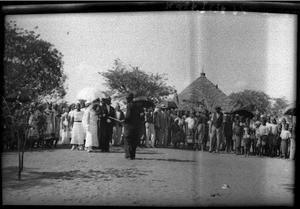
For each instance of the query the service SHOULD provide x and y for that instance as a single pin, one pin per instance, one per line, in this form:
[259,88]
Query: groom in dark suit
[109,123]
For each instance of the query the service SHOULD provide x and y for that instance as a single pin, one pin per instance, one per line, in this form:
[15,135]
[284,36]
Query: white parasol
[90,94]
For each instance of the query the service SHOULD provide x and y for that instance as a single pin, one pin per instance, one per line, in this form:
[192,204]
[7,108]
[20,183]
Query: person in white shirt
[285,137]
[117,132]
[77,128]
[84,118]
[264,131]
[191,122]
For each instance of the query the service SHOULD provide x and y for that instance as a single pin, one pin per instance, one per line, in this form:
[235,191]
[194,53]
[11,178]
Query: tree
[255,100]
[31,65]
[277,105]
[259,101]
[124,79]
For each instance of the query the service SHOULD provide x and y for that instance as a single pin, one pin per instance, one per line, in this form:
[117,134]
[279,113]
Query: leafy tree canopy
[124,79]
[258,101]
[31,64]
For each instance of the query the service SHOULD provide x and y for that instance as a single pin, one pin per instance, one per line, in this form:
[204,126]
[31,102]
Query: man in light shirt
[191,123]
[149,124]
[264,131]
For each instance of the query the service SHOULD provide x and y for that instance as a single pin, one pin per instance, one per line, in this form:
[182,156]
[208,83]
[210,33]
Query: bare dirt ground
[157,177]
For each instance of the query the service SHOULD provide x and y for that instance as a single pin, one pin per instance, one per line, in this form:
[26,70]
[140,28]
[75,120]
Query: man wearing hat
[102,116]
[109,124]
[215,129]
[132,121]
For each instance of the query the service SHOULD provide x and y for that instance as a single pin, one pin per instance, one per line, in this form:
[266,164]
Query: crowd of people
[98,125]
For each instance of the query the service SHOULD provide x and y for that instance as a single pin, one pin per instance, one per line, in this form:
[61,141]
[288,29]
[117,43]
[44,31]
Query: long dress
[285,136]
[56,124]
[33,130]
[77,129]
[91,129]
[84,121]
[49,132]
[65,134]
[70,114]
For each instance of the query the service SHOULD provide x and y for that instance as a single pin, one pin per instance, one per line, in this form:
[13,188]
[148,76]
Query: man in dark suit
[133,118]
[100,112]
[109,124]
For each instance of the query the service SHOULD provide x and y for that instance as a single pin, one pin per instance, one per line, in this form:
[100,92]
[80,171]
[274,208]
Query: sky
[236,50]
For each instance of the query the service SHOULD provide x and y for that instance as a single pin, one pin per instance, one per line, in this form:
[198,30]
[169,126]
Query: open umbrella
[22,96]
[244,112]
[290,109]
[143,100]
[90,94]
[168,104]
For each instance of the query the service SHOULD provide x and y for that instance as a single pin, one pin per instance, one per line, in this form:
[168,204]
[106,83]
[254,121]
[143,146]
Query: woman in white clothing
[84,118]
[77,128]
[65,133]
[91,129]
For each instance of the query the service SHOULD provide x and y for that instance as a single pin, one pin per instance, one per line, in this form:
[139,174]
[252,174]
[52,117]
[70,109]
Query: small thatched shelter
[202,94]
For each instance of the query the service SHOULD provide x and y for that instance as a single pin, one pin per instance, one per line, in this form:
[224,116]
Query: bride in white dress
[91,128]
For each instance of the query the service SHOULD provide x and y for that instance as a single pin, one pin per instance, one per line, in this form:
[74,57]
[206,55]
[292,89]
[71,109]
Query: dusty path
[158,177]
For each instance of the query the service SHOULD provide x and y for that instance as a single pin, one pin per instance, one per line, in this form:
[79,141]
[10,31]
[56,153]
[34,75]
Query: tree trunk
[20,158]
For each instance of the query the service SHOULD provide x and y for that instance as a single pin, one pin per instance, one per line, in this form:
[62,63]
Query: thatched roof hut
[203,94]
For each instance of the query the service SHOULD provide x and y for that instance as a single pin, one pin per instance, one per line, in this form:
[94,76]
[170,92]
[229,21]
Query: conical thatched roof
[201,94]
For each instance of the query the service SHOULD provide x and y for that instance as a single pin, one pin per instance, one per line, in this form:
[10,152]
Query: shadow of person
[168,160]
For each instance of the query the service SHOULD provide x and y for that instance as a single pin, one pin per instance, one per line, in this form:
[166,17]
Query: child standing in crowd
[191,122]
[285,136]
[247,141]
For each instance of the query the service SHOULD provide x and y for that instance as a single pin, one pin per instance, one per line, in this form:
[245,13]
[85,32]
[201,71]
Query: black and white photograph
[155,104]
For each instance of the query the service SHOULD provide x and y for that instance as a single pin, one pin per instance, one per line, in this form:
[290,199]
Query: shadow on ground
[168,160]
[33,178]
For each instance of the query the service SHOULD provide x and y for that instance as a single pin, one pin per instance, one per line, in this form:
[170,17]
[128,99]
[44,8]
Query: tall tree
[32,66]
[126,79]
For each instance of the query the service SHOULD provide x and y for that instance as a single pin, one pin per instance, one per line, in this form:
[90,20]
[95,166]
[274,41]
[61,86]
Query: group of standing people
[92,125]
[83,125]
[260,135]
[263,135]
[96,124]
